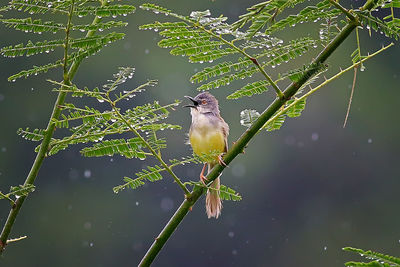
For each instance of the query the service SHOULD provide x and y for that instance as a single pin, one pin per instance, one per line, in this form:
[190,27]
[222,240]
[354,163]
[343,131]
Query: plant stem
[344,10]
[242,142]
[254,60]
[155,154]
[334,77]
[43,146]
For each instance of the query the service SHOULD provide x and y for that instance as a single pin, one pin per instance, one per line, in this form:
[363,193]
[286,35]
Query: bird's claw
[202,177]
[221,161]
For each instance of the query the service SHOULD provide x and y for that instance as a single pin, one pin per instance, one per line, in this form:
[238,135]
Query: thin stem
[67,31]
[344,10]
[317,88]
[8,198]
[241,143]
[43,148]
[254,60]
[155,154]
[274,85]
[351,96]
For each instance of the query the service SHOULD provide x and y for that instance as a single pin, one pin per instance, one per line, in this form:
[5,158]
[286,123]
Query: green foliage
[292,109]
[35,70]
[88,124]
[153,173]
[390,28]
[375,259]
[31,48]
[328,30]
[17,191]
[35,135]
[36,26]
[72,10]
[248,116]
[263,14]
[227,193]
[321,11]
[200,37]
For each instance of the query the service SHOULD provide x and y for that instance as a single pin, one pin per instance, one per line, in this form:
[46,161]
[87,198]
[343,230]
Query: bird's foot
[202,177]
[221,161]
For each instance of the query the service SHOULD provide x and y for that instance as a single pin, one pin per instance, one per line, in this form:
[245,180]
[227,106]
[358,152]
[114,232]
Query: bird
[208,133]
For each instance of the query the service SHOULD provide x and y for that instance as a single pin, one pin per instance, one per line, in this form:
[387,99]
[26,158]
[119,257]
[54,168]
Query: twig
[152,151]
[43,146]
[242,142]
[351,96]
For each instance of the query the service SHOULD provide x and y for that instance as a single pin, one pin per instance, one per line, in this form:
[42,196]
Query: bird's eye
[203,102]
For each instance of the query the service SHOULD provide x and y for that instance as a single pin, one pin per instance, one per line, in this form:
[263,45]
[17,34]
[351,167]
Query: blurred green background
[308,189]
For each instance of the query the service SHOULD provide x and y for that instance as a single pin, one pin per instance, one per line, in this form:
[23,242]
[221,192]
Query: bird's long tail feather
[213,201]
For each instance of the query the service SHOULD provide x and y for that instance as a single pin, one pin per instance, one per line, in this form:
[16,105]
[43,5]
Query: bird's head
[203,103]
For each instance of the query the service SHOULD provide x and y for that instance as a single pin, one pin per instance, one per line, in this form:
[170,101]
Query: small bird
[208,133]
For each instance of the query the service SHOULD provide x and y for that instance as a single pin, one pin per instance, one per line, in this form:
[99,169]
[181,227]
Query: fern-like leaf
[40,7]
[275,123]
[36,26]
[389,29]
[262,14]
[248,116]
[227,193]
[250,89]
[35,135]
[35,70]
[105,11]
[296,109]
[31,48]
[378,259]
[100,26]
[131,148]
[95,41]
[322,10]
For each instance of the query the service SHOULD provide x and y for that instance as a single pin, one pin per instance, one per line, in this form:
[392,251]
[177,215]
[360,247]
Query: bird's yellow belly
[207,142]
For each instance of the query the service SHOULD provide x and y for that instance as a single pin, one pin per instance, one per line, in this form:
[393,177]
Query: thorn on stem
[254,60]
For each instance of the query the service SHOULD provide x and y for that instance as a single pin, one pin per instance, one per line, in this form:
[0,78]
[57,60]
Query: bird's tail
[213,201]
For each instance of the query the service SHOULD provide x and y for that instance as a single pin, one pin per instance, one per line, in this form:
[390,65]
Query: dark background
[308,189]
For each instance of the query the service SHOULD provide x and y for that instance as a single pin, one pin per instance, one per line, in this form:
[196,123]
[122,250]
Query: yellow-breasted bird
[208,133]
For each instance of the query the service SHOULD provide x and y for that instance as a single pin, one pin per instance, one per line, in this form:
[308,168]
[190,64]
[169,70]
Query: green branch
[243,141]
[44,146]
[334,77]
[155,154]
[254,60]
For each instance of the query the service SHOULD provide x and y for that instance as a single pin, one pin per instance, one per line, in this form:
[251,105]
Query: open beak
[195,103]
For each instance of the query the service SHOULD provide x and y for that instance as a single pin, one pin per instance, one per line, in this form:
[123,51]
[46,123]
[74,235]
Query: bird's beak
[195,103]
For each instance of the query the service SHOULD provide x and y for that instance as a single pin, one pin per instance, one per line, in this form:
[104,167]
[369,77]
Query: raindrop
[87,225]
[238,170]
[231,234]
[369,141]
[137,203]
[167,204]
[325,248]
[100,100]
[3,149]
[146,51]
[87,173]
[314,136]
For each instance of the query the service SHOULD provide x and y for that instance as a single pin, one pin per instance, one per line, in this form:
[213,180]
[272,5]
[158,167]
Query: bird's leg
[202,177]
[221,161]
